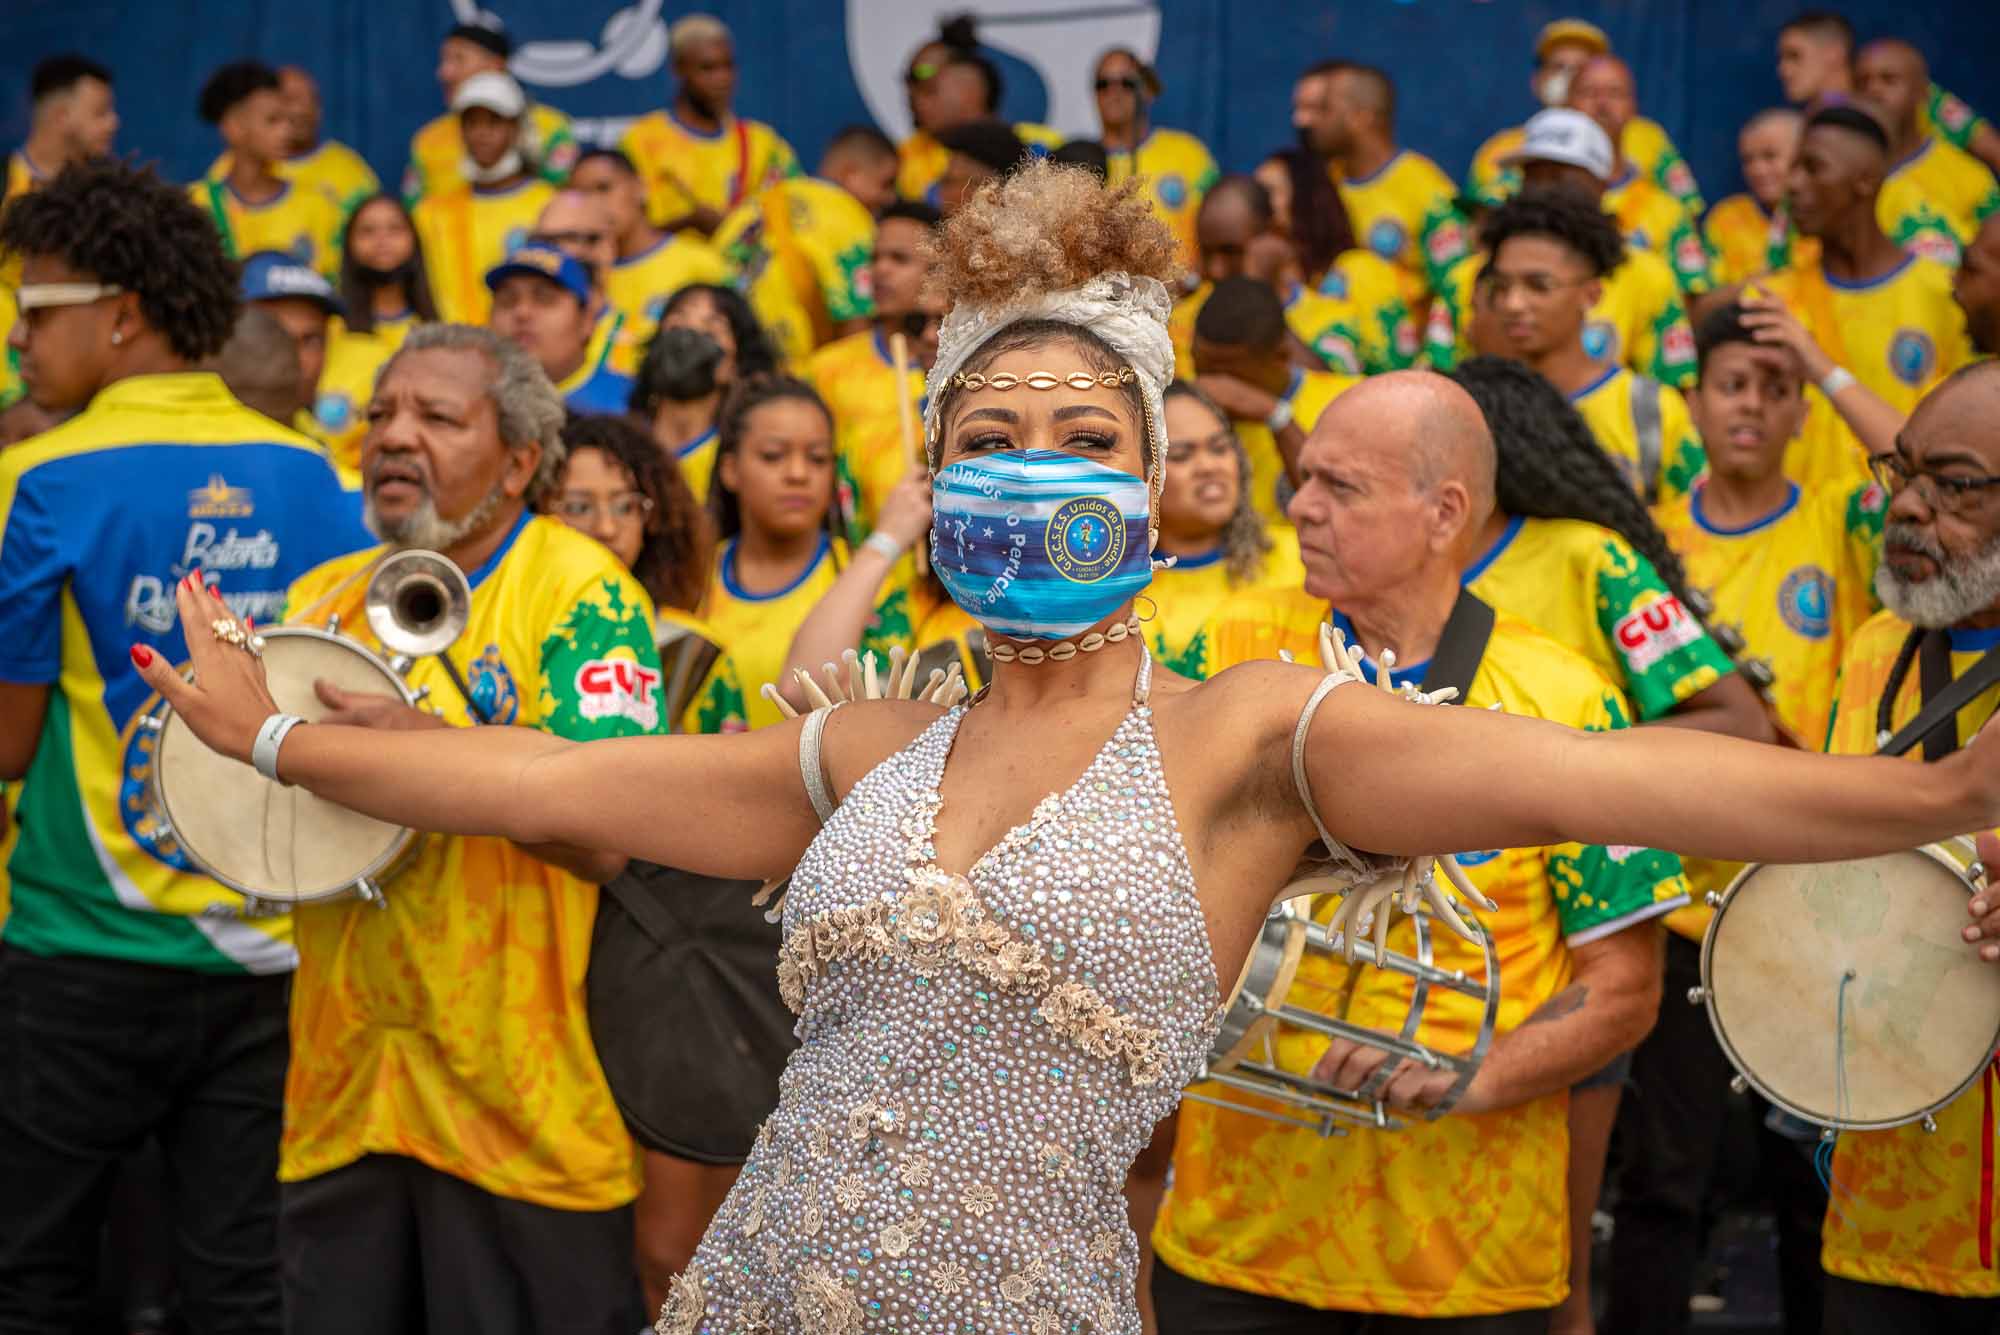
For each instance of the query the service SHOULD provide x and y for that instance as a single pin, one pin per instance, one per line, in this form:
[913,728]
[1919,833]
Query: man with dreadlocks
[129,984]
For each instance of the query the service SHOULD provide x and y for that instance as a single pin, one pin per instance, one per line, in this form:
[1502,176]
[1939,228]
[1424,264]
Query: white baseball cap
[496,92]
[1565,135]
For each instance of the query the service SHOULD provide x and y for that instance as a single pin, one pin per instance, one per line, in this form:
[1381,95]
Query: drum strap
[1461,646]
[1943,695]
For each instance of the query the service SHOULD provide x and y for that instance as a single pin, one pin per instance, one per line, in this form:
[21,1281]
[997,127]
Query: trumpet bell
[417,603]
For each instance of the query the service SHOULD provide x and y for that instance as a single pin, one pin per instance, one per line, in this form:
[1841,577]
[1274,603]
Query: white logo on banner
[1062,47]
[632,44]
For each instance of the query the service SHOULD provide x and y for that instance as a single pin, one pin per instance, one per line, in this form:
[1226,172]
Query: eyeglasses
[1941,491]
[580,507]
[1125,81]
[42,296]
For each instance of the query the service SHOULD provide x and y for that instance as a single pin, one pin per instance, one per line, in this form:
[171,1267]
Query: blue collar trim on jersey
[738,592]
[284,192]
[1204,561]
[722,127]
[1864,284]
[1914,155]
[645,254]
[492,563]
[1298,379]
[1702,521]
[1595,385]
[1622,179]
[1401,675]
[1376,175]
[1974,641]
[700,442]
[1507,535]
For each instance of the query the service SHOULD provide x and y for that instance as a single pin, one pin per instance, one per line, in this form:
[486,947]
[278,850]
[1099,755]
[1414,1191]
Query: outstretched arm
[837,620]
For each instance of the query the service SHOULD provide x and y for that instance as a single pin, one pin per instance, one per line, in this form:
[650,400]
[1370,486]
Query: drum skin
[260,837]
[1920,1016]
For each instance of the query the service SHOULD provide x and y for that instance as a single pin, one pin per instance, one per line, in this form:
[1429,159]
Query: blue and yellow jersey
[595,389]
[1464,1215]
[332,168]
[448,1024]
[1747,239]
[1178,169]
[1194,588]
[437,153]
[1367,324]
[1899,334]
[467,231]
[921,159]
[1388,208]
[1934,200]
[640,286]
[1585,588]
[800,252]
[90,561]
[1611,406]
[1797,585]
[299,221]
[1638,320]
[1643,143]
[1651,219]
[696,460]
[857,378]
[347,383]
[756,629]
[1309,394]
[684,168]
[1911,1208]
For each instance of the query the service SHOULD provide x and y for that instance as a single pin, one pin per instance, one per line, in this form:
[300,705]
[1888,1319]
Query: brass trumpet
[417,603]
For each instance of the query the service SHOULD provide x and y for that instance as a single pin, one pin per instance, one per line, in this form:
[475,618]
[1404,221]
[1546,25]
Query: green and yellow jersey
[1934,200]
[467,231]
[684,168]
[639,286]
[856,375]
[800,251]
[437,153]
[756,629]
[1194,588]
[300,221]
[332,168]
[1615,408]
[1178,170]
[1388,208]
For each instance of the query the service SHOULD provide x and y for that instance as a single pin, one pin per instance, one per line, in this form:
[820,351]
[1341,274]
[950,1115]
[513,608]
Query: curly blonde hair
[1048,228]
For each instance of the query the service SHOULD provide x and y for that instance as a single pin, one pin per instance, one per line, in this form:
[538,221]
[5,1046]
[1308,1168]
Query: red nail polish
[215,590]
[142,656]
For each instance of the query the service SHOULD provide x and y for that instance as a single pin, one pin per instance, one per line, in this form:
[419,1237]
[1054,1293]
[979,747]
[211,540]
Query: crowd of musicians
[656,399]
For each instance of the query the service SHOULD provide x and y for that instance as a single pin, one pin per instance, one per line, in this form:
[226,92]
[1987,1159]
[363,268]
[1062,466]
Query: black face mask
[681,365]
[399,276]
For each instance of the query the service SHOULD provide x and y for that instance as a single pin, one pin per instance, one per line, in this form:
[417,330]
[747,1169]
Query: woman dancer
[1002,988]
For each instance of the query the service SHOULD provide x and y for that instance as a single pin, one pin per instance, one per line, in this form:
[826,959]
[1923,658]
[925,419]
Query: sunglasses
[1125,81]
[921,74]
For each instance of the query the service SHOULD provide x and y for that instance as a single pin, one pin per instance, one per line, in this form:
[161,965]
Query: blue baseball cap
[272,275]
[543,261]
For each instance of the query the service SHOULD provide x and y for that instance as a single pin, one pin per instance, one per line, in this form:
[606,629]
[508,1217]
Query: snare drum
[1243,1059]
[1842,992]
[278,845]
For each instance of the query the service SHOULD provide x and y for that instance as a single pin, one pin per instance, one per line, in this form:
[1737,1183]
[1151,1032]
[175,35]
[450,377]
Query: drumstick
[899,357]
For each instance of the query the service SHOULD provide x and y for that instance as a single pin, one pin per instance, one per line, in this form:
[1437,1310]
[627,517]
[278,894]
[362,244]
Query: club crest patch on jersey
[1600,338]
[1172,190]
[1085,539]
[1912,356]
[334,411]
[492,687]
[1805,601]
[1386,238]
[1334,285]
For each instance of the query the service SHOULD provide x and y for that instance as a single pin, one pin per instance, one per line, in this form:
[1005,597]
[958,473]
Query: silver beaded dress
[982,1057]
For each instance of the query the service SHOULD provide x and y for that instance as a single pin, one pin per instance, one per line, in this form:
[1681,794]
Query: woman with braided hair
[1009,919]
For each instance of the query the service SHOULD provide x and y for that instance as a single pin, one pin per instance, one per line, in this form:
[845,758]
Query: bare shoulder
[861,735]
[1238,714]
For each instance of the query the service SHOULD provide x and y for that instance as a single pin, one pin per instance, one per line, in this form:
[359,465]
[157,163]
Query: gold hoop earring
[1153,608]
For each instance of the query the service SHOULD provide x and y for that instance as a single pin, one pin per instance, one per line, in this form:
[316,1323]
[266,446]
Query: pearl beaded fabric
[983,1056]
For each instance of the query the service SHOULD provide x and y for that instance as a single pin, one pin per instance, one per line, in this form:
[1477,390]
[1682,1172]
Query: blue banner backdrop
[812,66]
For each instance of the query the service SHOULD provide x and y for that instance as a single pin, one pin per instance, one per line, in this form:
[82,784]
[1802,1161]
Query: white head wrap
[1128,312]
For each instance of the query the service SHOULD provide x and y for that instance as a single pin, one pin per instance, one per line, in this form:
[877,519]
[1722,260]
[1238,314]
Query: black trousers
[1184,1306]
[1853,1308]
[95,1056]
[389,1246]
[1669,1128]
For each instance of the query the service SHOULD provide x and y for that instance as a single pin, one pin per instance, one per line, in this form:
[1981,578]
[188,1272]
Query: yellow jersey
[1192,589]
[1465,1215]
[299,220]
[1651,219]
[22,176]
[921,159]
[685,169]
[1643,143]
[857,377]
[332,168]
[347,383]
[1910,1208]
[1797,584]
[696,460]
[1951,118]
[1748,240]
[449,1025]
[800,252]
[1366,322]
[1178,169]
[756,629]
[639,287]
[437,153]
[467,231]
[1388,207]
[1638,320]
[1899,334]
[1587,589]
[1934,200]
[1309,393]
[1615,407]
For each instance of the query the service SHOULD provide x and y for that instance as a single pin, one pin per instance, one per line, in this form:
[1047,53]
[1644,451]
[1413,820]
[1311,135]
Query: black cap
[494,39]
[990,143]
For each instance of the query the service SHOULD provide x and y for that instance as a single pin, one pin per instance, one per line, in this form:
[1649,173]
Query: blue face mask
[1037,544]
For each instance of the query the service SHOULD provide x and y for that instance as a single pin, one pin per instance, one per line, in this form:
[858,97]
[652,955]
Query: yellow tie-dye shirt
[449,1024]
[1747,240]
[684,169]
[1194,588]
[467,231]
[1178,169]
[857,377]
[1466,1215]
[1909,1208]
[800,252]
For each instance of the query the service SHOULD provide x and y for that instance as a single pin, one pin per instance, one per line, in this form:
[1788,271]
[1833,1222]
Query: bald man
[1744,232]
[1271,1227]
[326,165]
[1649,217]
[1976,288]
[1930,180]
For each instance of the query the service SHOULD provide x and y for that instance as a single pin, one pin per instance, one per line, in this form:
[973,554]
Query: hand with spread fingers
[227,700]
[1348,1065]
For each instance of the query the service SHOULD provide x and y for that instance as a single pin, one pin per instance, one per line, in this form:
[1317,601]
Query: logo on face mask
[1085,539]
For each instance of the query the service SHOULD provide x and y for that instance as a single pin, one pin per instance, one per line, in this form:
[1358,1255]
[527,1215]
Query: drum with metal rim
[1842,991]
[1243,1059]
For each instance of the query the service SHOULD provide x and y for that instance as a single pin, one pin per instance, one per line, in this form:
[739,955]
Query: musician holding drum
[134,1001]
[1461,1218]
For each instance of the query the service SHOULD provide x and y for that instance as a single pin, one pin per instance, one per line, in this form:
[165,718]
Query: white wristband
[1837,379]
[1280,418]
[264,751]
[885,544]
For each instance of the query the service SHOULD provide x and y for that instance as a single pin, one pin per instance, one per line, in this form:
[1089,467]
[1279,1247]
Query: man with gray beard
[451,1150]
[1908,1236]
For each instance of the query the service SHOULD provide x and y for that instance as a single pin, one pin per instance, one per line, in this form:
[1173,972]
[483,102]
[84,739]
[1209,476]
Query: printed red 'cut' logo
[619,688]
[1647,634]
